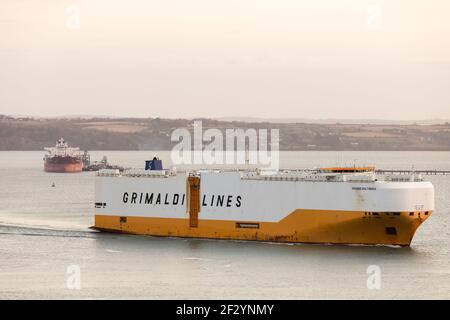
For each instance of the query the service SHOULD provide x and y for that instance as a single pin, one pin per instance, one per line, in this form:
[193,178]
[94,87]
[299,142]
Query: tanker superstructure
[63,158]
[329,205]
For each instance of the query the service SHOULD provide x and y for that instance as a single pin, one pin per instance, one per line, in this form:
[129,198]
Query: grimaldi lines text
[218,200]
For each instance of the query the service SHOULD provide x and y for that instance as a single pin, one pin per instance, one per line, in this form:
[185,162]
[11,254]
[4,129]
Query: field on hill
[154,134]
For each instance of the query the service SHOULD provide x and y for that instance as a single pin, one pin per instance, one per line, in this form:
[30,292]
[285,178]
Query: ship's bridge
[347,169]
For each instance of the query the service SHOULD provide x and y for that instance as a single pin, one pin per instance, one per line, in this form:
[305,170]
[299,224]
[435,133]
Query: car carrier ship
[338,205]
[62,158]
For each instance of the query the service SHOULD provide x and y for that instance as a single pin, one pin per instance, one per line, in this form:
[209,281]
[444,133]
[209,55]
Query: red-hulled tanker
[62,158]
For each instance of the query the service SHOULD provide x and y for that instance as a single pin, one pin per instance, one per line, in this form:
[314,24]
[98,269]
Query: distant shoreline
[281,150]
[153,134]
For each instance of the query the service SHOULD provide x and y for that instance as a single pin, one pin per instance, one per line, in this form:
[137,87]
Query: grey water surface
[44,232]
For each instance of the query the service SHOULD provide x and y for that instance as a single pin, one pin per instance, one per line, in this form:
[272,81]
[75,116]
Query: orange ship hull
[63,167]
[300,226]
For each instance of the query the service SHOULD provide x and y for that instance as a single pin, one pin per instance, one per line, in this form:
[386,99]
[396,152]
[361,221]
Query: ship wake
[11,229]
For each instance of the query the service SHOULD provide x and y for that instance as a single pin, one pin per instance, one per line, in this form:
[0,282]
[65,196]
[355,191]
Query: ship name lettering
[364,188]
[221,200]
[215,200]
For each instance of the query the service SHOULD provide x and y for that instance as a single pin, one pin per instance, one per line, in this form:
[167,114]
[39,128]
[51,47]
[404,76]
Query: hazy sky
[210,58]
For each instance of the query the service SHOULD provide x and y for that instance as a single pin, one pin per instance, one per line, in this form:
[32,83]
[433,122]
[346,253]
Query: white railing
[284,175]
